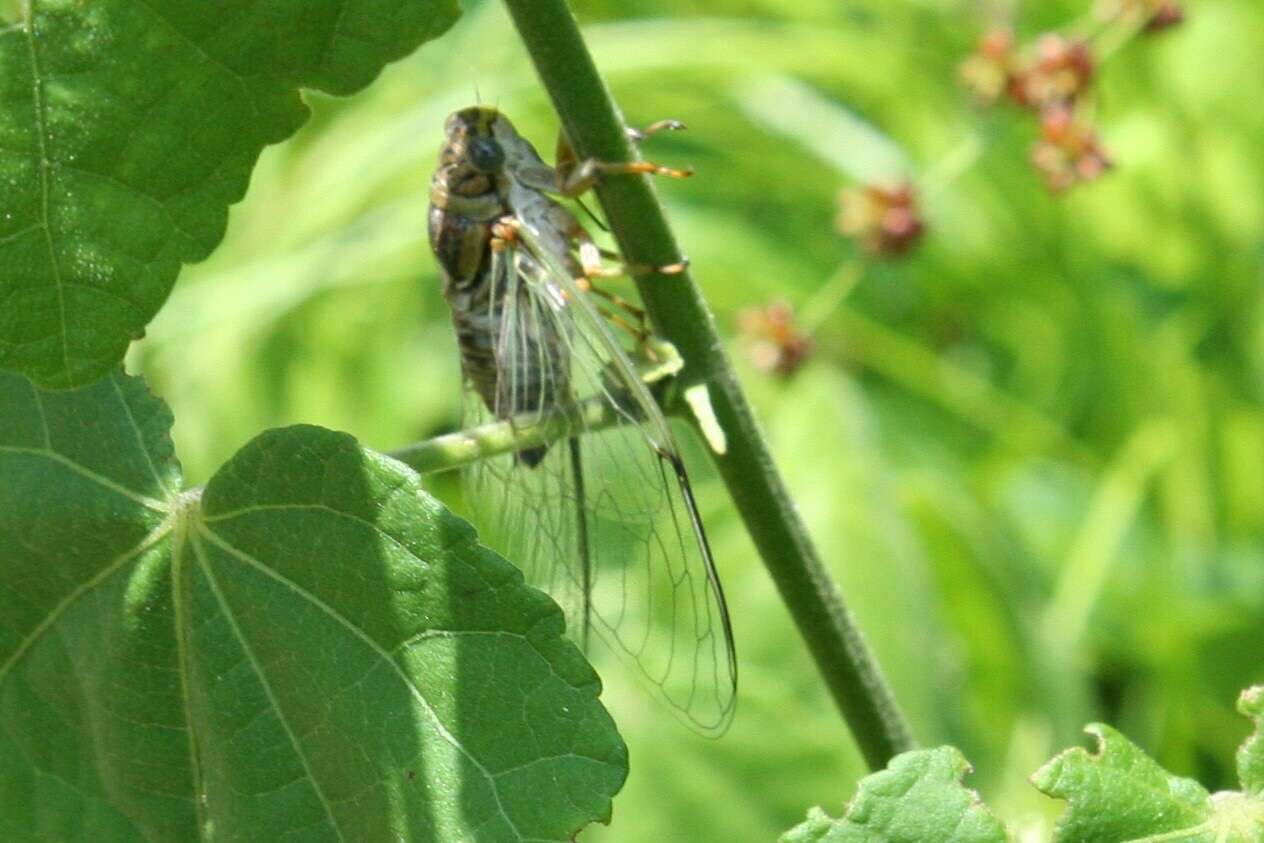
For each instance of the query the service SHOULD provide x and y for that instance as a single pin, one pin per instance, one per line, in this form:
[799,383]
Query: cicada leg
[504,233]
[635,270]
[576,177]
[637,326]
[591,255]
[590,261]
[654,128]
[586,174]
[566,159]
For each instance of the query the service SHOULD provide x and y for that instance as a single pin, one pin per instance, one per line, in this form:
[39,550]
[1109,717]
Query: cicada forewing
[603,519]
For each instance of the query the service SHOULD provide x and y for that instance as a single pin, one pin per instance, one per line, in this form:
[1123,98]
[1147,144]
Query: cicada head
[473,136]
[472,159]
[482,150]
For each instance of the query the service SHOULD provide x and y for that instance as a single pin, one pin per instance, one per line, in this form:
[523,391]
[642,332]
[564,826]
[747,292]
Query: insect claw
[649,167]
[665,126]
[654,128]
[636,167]
[683,173]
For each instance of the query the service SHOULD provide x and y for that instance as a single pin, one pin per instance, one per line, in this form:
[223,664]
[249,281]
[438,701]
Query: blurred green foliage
[1032,452]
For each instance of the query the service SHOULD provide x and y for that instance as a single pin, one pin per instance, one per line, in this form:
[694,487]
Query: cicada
[603,518]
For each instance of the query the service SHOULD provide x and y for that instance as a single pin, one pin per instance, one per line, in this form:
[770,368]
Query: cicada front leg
[576,177]
[581,179]
[654,128]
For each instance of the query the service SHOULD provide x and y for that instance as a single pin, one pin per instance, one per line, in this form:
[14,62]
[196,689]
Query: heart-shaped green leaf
[310,649]
[127,129]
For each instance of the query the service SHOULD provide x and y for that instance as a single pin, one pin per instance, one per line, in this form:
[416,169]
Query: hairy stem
[679,314]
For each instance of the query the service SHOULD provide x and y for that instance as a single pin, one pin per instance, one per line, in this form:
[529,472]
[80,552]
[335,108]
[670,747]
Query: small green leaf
[128,128]
[311,649]
[919,798]
[1251,753]
[1121,794]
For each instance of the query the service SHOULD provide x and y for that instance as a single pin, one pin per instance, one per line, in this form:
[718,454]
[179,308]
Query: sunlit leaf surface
[126,131]
[309,649]
[919,798]
[1120,794]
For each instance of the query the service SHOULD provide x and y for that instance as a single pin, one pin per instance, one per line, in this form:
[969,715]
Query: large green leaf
[310,649]
[127,129]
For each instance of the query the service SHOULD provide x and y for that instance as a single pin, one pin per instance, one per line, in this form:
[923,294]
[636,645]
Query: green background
[1032,453]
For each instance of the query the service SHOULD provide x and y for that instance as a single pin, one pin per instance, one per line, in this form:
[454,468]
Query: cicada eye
[486,155]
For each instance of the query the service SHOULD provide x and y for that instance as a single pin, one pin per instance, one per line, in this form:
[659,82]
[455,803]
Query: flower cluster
[1058,73]
[1053,71]
[1067,151]
[774,343]
[884,218]
[990,71]
[1051,78]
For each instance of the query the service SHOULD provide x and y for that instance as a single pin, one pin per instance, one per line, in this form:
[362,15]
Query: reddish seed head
[774,343]
[997,44]
[1059,72]
[987,71]
[1155,15]
[1168,14]
[1068,151]
[884,218]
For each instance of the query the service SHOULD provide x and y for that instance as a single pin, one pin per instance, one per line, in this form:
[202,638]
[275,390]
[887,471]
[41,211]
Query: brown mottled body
[513,355]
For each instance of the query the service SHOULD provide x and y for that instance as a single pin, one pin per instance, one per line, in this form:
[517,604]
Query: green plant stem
[454,450]
[679,314]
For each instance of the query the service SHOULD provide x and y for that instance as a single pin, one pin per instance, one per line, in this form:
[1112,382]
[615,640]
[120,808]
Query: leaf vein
[198,47]
[20,233]
[135,497]
[319,507]
[334,32]
[140,438]
[546,759]
[383,654]
[39,406]
[105,573]
[204,563]
[41,131]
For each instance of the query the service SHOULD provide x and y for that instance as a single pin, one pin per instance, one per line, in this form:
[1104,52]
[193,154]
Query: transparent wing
[605,520]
